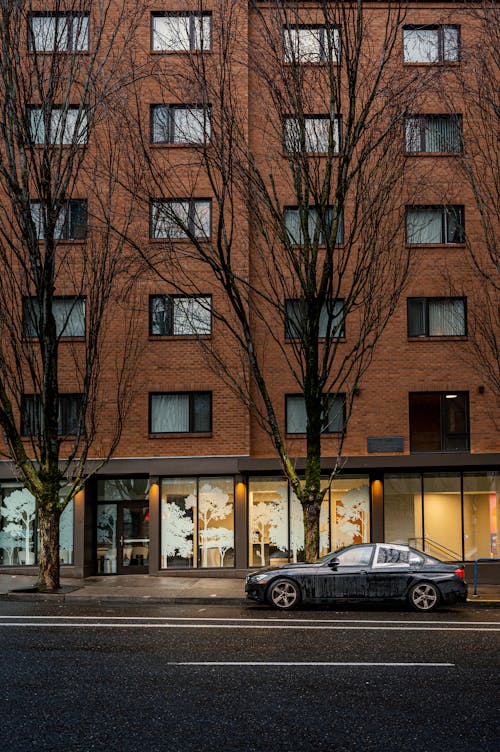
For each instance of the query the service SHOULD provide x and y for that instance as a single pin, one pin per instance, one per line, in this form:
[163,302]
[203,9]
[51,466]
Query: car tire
[284,594]
[424,596]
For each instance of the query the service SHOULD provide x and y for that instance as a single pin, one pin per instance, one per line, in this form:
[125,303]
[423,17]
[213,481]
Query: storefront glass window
[403,509]
[197,522]
[178,500]
[297,526]
[267,521]
[216,522]
[350,510]
[17,526]
[66,527]
[123,489]
[443,516]
[481,515]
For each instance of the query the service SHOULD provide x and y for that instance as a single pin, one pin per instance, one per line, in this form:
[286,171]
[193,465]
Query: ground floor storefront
[227,522]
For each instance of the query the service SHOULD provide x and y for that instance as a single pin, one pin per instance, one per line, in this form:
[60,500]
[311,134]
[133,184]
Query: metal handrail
[476,567]
[439,546]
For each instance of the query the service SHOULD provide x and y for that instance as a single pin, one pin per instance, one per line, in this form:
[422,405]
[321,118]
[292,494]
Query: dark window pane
[425,422]
[455,422]
[202,417]
[416,318]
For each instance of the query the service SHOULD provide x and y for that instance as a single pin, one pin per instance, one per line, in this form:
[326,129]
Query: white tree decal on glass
[8,545]
[352,517]
[269,523]
[218,537]
[19,511]
[213,505]
[177,534]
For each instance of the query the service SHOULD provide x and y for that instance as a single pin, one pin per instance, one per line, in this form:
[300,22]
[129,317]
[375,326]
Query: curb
[69,599]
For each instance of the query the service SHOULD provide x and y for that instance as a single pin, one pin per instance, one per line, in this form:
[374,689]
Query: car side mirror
[334,563]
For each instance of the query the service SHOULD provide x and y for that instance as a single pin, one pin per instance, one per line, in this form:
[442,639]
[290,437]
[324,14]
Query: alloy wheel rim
[284,595]
[424,597]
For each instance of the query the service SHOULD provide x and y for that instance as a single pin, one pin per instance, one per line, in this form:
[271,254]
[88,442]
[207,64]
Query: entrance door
[123,538]
[133,538]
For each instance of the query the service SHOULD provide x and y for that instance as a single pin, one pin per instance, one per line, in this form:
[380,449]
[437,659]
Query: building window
[179,218]
[430,225]
[436,317]
[197,522]
[71,223]
[311,44]
[181,412]
[70,407]
[439,422]
[331,321]
[63,126]
[173,124]
[318,225]
[311,134]
[178,315]
[69,315]
[181,32]
[49,32]
[433,134]
[431,44]
[333,414]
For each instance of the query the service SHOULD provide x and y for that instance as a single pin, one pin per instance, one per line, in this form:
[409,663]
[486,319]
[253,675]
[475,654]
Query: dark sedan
[372,572]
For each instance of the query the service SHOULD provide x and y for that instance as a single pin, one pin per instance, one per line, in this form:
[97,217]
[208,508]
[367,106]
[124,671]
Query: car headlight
[260,577]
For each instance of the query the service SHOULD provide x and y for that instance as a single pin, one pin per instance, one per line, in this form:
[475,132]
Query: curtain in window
[191,126]
[416,318]
[454,221]
[451,49]
[424,225]
[69,314]
[69,414]
[331,320]
[335,416]
[191,316]
[296,419]
[44,33]
[446,318]
[302,45]
[201,219]
[169,219]
[442,134]
[171,33]
[421,45]
[160,124]
[170,413]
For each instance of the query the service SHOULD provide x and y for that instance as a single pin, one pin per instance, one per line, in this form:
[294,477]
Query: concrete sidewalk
[136,589]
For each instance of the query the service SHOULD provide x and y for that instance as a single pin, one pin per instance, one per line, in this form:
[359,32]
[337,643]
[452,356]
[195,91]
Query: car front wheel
[424,596]
[284,594]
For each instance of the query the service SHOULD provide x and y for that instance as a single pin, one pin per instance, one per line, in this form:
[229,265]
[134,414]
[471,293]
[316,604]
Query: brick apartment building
[195,485]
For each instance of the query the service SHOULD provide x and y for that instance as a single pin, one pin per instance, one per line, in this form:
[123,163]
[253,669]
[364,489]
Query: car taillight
[460,572]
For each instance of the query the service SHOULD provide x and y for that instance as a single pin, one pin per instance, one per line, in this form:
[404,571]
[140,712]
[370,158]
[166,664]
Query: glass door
[133,538]
[123,538]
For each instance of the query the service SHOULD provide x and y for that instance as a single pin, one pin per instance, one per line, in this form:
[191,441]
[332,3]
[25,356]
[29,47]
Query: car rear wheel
[284,594]
[424,596]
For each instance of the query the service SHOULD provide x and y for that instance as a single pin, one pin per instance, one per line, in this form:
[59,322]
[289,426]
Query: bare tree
[62,223]
[476,86]
[306,252]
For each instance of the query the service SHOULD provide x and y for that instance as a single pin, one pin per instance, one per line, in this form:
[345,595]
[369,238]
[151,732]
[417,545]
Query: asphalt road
[182,678]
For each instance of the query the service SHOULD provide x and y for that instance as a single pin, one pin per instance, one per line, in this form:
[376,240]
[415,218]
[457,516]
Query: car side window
[392,556]
[359,556]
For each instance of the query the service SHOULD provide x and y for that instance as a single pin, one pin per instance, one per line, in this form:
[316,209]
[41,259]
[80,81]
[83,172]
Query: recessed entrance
[123,538]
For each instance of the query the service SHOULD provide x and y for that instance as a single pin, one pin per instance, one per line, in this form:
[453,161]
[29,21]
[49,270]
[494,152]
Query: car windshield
[323,559]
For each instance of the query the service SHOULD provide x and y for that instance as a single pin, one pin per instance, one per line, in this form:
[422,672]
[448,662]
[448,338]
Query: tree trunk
[48,528]
[311,530]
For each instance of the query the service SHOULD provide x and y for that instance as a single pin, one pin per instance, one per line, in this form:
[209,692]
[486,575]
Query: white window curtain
[451,43]
[171,33]
[296,414]
[170,218]
[170,413]
[316,132]
[191,125]
[421,45]
[424,225]
[44,33]
[69,314]
[192,316]
[81,32]
[446,318]
[201,219]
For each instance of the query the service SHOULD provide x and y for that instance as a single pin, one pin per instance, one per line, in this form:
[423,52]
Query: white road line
[243,620]
[296,627]
[314,663]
